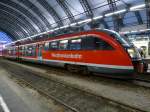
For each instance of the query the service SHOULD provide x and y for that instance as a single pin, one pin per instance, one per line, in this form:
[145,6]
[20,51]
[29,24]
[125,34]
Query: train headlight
[133,52]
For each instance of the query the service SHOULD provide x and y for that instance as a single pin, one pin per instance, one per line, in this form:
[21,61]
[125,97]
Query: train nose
[140,66]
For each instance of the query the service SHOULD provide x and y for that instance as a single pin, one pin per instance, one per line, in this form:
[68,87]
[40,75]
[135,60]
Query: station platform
[13,98]
[125,93]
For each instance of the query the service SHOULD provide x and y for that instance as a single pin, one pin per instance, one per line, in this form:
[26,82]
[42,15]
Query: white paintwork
[82,63]
[4,105]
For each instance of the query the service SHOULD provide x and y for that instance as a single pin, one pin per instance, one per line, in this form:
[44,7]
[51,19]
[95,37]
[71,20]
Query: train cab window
[63,45]
[102,45]
[88,43]
[53,45]
[75,44]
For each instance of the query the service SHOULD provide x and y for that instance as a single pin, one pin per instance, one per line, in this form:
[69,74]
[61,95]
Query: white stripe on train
[80,63]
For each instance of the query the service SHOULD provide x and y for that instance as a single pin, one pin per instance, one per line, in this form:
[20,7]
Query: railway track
[142,82]
[29,84]
[72,98]
[139,81]
[32,81]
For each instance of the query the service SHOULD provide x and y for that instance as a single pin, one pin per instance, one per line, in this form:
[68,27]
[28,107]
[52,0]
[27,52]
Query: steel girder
[147,2]
[104,23]
[86,7]
[138,16]
[10,30]
[34,8]
[5,14]
[113,7]
[4,38]
[23,18]
[18,27]
[25,12]
[51,11]
[66,10]
[12,37]
[14,28]
[88,12]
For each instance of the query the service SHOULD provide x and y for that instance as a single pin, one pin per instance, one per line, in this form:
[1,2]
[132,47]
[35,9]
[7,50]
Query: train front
[140,66]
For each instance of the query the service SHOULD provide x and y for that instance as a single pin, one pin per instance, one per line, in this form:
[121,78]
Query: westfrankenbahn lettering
[76,56]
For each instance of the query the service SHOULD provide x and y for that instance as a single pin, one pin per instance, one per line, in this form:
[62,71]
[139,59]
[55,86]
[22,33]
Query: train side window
[34,50]
[9,51]
[63,45]
[14,51]
[75,44]
[46,46]
[53,45]
[20,50]
[23,50]
[88,43]
[30,50]
[102,45]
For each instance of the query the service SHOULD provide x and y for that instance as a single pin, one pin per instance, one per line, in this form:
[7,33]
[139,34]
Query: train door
[40,52]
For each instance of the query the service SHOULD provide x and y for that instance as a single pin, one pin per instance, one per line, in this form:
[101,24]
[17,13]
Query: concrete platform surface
[134,96]
[14,98]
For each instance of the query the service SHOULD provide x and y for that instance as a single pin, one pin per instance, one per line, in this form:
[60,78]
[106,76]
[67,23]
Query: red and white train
[100,51]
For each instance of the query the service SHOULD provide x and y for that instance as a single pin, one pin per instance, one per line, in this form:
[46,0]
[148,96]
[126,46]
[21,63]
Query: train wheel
[73,68]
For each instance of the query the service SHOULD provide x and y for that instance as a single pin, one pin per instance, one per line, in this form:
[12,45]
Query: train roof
[58,36]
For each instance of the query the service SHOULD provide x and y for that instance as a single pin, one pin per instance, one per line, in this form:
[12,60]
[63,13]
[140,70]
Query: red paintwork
[110,57]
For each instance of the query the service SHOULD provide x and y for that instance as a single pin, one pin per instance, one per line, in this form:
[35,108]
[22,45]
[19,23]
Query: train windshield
[118,37]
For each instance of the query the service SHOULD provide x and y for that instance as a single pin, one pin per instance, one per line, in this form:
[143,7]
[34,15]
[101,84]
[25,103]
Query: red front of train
[100,51]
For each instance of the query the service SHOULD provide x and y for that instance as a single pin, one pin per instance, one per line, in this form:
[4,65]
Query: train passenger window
[30,50]
[14,51]
[102,45]
[63,45]
[46,46]
[33,50]
[53,45]
[20,50]
[23,51]
[75,44]
[9,51]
